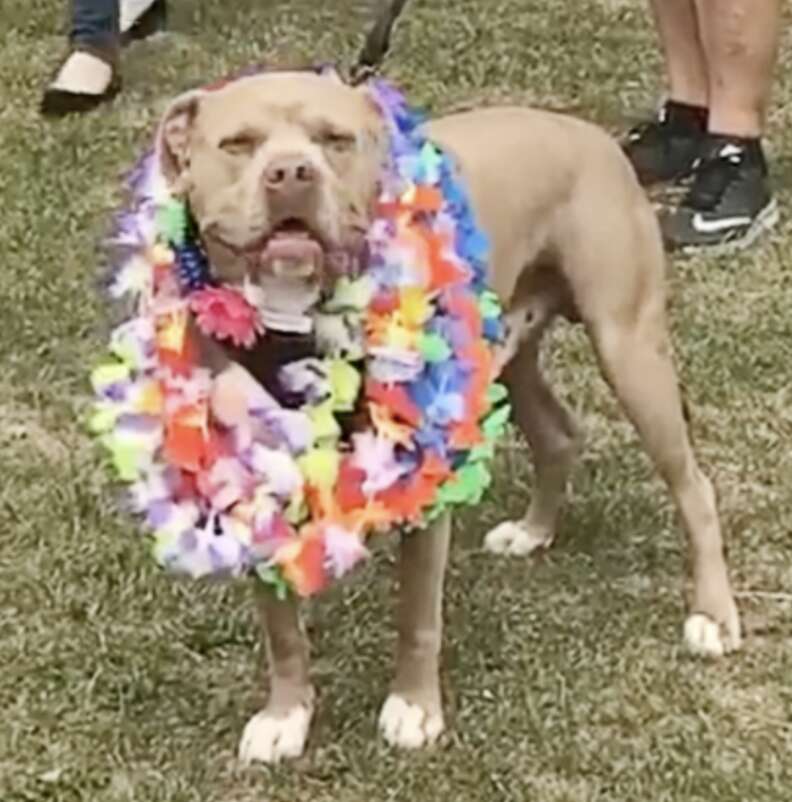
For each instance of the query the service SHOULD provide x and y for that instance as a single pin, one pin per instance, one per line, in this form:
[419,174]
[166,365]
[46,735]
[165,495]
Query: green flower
[489,305]
[271,575]
[434,348]
[173,221]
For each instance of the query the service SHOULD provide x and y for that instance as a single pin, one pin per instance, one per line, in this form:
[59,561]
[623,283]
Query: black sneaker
[729,203]
[664,149]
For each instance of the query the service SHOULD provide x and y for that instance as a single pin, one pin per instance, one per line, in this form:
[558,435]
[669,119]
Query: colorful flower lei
[287,497]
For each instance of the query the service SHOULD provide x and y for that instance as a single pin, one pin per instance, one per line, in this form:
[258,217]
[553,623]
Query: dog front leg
[412,715]
[280,730]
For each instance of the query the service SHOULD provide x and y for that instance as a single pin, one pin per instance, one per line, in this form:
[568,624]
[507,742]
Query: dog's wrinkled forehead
[303,98]
[318,105]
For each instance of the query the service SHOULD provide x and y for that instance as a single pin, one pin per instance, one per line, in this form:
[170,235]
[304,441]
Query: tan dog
[281,170]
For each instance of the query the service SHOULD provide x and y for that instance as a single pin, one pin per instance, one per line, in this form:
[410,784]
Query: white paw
[702,636]
[513,537]
[408,726]
[268,738]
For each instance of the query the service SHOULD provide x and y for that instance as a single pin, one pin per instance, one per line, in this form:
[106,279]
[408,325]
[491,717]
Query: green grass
[564,678]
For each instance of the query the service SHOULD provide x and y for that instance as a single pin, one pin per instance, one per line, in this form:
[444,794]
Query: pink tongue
[292,247]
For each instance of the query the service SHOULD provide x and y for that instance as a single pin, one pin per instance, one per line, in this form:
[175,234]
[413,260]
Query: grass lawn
[565,680]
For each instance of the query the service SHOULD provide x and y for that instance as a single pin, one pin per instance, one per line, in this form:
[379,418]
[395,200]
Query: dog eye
[239,145]
[338,140]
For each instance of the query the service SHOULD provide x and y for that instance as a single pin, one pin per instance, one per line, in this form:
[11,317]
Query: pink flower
[343,550]
[224,313]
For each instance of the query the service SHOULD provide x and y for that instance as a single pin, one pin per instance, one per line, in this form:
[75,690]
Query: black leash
[377,43]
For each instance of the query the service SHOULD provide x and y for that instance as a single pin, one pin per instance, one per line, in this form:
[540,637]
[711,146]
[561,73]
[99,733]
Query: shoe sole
[765,220]
[58,103]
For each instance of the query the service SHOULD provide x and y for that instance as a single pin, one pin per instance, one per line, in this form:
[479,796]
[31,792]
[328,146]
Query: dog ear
[375,130]
[173,137]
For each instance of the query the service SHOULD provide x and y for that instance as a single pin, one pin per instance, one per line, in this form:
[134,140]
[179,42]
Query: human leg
[730,202]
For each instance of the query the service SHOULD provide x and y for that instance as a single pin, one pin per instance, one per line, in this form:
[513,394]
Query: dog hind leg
[554,441]
[614,264]
[637,363]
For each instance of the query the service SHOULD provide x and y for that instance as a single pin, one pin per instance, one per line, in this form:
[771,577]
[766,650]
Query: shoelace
[713,173]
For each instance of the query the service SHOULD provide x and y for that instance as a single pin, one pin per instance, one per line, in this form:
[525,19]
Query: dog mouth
[292,249]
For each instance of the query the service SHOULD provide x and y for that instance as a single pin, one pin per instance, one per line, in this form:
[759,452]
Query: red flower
[305,569]
[187,437]
[349,488]
[396,399]
[409,498]
[225,314]
[385,302]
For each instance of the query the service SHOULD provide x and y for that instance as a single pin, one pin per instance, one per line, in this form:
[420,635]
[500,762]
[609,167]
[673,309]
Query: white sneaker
[83,82]
[83,73]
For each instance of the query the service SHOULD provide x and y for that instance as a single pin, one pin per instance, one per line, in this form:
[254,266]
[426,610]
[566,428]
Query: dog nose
[289,174]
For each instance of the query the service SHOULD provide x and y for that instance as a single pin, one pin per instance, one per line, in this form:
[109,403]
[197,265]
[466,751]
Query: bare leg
[740,39]
[686,66]
[281,728]
[554,442]
[412,715]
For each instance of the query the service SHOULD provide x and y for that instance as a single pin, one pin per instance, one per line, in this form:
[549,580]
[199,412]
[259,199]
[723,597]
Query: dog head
[280,169]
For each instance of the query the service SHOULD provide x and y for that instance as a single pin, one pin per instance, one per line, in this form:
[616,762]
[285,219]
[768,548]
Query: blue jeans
[95,25]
